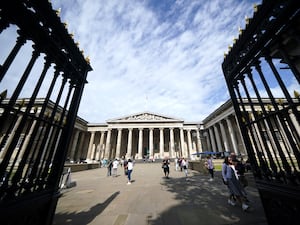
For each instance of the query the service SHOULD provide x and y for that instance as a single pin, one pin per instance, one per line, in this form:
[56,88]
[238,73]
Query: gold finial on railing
[296,94]
[255,7]
[269,107]
[65,24]
[58,11]
[22,102]
[87,59]
[234,40]
[240,30]
[247,19]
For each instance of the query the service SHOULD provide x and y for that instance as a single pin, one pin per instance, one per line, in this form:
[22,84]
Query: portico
[143,135]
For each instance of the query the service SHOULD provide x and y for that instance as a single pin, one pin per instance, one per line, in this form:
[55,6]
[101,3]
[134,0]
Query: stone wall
[83,166]
[198,166]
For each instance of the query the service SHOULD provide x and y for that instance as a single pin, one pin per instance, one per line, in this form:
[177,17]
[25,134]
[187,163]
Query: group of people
[112,168]
[181,163]
[232,173]
[233,176]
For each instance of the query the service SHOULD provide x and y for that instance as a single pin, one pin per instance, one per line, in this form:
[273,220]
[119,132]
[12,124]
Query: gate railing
[262,74]
[38,108]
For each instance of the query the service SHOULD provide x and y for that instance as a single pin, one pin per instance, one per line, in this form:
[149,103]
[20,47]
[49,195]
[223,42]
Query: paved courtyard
[152,200]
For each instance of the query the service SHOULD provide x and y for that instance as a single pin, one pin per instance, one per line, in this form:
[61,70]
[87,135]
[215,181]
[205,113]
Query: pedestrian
[165,166]
[125,167]
[184,165]
[109,168]
[115,167]
[235,189]
[210,167]
[122,162]
[240,169]
[176,164]
[179,164]
[129,170]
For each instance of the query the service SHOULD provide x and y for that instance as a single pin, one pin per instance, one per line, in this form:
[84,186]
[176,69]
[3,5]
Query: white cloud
[169,52]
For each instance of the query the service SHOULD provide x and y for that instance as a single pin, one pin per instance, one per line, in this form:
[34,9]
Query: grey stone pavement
[152,199]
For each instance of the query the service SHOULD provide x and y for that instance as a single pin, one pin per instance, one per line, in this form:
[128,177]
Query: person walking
[210,167]
[115,167]
[125,167]
[165,166]
[109,168]
[233,184]
[184,165]
[179,164]
[129,170]
[176,164]
[240,169]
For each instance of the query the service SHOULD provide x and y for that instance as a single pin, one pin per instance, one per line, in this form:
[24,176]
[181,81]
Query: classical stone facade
[149,135]
[138,136]
[156,136]
[221,131]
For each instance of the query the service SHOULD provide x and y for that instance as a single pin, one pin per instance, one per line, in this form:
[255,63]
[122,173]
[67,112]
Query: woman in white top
[129,169]
[184,164]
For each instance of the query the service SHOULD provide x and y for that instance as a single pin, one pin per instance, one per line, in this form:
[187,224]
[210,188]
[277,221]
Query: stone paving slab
[152,199]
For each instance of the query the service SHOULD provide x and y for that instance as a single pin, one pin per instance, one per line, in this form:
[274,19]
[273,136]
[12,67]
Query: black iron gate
[262,75]
[35,131]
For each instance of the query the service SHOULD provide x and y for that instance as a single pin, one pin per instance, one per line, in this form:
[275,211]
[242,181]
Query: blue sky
[162,56]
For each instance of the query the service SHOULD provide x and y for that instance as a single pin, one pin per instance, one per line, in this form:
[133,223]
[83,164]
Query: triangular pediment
[145,117]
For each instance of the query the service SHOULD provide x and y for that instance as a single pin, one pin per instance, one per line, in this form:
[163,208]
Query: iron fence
[38,108]
[262,74]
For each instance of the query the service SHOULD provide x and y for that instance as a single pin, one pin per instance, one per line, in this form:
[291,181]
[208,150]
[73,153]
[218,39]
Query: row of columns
[219,141]
[105,152]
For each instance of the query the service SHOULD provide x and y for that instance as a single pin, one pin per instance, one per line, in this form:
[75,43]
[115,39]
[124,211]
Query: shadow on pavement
[204,202]
[83,218]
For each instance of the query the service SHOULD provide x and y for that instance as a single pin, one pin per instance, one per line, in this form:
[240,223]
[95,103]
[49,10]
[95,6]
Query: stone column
[151,142]
[239,137]
[207,140]
[295,122]
[129,144]
[217,134]
[91,145]
[107,145]
[119,138]
[183,152]
[172,149]
[224,137]
[199,145]
[189,142]
[27,138]
[233,140]
[74,145]
[101,149]
[212,139]
[10,138]
[161,142]
[79,151]
[140,147]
